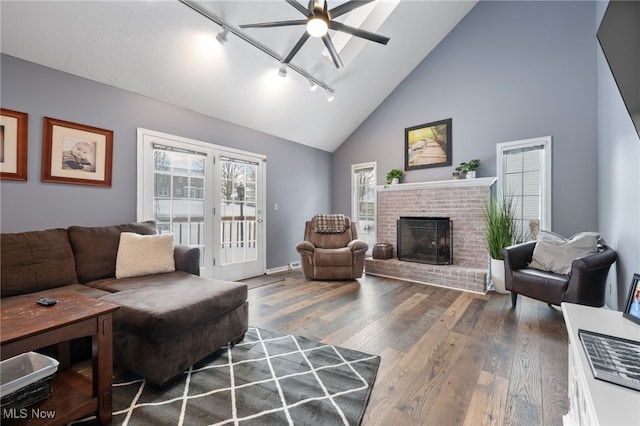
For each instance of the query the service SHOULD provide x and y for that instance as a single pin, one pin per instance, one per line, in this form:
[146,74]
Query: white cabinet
[591,401]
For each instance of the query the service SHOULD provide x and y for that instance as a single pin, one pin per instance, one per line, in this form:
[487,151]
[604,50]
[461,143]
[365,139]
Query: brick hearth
[460,200]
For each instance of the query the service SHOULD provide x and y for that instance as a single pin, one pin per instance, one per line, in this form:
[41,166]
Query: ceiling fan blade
[347,7]
[303,39]
[298,6]
[275,24]
[357,32]
[332,50]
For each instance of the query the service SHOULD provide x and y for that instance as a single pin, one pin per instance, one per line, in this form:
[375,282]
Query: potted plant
[394,175]
[469,169]
[500,232]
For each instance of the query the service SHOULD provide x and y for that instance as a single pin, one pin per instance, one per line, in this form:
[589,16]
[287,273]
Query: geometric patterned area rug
[267,379]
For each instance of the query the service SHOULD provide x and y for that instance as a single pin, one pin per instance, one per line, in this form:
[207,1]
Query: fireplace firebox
[425,240]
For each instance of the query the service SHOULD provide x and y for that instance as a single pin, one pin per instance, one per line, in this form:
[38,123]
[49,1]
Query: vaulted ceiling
[167,51]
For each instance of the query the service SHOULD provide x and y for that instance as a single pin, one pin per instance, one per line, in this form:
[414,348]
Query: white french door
[208,197]
[240,215]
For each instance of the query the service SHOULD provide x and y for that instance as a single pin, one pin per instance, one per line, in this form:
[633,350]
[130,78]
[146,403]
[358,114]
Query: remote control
[45,301]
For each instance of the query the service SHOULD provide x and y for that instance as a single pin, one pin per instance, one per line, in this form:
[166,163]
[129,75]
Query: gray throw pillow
[554,253]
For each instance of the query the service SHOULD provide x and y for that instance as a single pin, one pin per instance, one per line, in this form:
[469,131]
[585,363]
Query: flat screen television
[619,37]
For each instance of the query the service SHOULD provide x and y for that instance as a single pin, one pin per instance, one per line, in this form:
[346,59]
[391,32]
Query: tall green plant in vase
[500,232]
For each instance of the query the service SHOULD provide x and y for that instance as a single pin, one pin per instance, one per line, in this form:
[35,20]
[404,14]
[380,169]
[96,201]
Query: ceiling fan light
[317,27]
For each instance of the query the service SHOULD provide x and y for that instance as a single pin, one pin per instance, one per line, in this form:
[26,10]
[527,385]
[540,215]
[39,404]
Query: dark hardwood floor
[448,357]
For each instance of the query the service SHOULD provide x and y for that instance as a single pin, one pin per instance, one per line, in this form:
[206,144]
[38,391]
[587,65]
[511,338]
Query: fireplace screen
[425,240]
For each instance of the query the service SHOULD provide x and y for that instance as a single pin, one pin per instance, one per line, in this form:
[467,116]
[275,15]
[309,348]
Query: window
[363,196]
[524,175]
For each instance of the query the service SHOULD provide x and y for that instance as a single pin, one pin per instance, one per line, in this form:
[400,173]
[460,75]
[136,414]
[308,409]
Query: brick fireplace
[462,201]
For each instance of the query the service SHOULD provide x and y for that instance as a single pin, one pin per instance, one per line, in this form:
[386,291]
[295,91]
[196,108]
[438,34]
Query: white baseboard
[289,267]
[424,283]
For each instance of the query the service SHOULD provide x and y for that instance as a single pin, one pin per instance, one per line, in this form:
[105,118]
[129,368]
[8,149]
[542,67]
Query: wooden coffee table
[28,326]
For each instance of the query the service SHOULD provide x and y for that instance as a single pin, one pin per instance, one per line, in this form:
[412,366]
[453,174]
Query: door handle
[259,220]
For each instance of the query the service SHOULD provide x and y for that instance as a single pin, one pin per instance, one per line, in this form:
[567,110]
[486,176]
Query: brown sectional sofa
[166,321]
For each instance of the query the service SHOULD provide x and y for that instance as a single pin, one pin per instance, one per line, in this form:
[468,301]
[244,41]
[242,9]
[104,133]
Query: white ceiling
[167,51]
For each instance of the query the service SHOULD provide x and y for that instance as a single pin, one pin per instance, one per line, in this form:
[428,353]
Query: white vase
[471,174]
[497,276]
[395,181]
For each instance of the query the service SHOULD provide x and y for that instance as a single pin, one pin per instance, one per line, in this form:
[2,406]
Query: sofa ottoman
[176,316]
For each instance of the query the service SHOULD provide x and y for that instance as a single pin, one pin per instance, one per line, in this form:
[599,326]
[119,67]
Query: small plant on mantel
[394,174]
[471,166]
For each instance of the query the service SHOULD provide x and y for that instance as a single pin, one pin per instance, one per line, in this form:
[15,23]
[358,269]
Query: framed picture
[75,153]
[428,145]
[632,310]
[13,144]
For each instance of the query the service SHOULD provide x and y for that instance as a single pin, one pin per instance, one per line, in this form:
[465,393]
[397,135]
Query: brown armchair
[331,249]
[585,285]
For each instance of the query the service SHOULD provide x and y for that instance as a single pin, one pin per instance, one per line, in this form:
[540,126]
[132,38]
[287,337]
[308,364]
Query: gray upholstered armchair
[331,249]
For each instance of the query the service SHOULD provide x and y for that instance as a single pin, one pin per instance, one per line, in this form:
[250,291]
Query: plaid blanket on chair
[329,223]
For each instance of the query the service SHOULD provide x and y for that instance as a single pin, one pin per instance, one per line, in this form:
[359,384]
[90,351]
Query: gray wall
[508,71]
[298,177]
[516,70]
[618,179]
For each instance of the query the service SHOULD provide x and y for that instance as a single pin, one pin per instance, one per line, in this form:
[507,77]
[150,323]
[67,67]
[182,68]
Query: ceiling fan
[319,21]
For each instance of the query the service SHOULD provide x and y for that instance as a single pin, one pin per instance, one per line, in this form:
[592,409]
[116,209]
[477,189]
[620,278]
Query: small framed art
[428,145]
[13,144]
[75,153]
[632,310]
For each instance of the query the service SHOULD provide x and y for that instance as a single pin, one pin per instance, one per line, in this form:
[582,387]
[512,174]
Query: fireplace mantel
[458,183]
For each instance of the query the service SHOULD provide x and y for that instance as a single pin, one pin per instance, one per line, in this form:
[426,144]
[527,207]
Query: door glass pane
[238,210]
[179,196]
[365,204]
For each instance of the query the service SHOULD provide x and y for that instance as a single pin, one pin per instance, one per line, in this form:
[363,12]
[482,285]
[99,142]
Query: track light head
[330,95]
[222,36]
[312,85]
[282,72]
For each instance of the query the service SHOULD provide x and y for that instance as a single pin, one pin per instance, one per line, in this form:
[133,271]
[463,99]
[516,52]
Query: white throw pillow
[144,255]
[554,253]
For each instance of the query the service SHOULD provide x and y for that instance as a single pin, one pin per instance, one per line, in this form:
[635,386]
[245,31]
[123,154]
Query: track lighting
[330,95]
[282,72]
[222,36]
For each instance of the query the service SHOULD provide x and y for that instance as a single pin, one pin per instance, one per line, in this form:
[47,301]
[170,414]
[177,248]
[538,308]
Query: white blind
[522,174]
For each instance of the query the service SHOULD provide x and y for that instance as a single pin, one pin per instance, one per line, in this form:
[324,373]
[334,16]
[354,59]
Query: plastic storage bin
[26,379]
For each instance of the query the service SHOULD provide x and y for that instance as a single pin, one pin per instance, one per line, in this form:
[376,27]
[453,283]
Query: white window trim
[545,141]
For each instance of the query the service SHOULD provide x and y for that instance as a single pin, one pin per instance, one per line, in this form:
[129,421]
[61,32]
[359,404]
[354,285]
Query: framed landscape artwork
[13,144]
[428,145]
[75,153]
